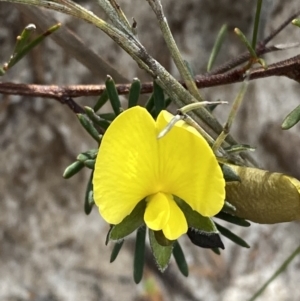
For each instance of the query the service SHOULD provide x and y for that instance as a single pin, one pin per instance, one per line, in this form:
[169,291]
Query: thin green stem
[256,23]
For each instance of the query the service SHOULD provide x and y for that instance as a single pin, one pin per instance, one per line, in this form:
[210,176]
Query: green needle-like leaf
[236,239]
[90,163]
[159,98]
[217,46]
[291,119]
[20,54]
[256,23]
[113,95]
[130,223]
[116,249]
[233,219]
[73,169]
[180,259]
[96,118]
[245,42]
[139,255]
[89,199]
[102,100]
[134,93]
[89,127]
[162,254]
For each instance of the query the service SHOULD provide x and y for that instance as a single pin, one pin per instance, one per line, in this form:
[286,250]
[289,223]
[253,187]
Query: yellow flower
[132,164]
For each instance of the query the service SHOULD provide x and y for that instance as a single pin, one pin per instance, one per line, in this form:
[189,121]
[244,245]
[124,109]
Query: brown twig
[289,68]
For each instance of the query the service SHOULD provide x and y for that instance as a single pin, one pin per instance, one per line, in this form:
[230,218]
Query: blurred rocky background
[49,249]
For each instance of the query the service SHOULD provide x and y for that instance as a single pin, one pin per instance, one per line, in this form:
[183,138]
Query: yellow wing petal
[188,167]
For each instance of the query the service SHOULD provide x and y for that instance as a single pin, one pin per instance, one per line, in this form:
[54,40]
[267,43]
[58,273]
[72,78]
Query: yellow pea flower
[132,165]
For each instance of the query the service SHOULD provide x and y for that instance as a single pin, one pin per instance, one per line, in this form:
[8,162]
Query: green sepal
[89,127]
[90,163]
[233,237]
[139,255]
[229,174]
[217,46]
[89,196]
[113,95]
[130,223]
[161,239]
[73,169]
[291,119]
[134,93]
[115,251]
[233,219]
[162,254]
[196,220]
[102,100]
[96,119]
[205,240]
[159,98]
[180,259]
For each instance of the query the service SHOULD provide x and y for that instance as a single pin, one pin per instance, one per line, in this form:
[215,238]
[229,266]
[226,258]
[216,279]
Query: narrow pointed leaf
[73,169]
[134,93]
[233,219]
[108,116]
[245,42]
[130,223]
[162,254]
[116,250]
[180,259]
[102,100]
[113,95]
[291,119]
[159,98]
[217,46]
[161,239]
[88,199]
[236,239]
[89,163]
[139,255]
[96,119]
[150,103]
[89,127]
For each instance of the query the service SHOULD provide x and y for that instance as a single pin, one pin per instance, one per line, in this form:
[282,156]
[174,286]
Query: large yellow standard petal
[188,167]
[126,165]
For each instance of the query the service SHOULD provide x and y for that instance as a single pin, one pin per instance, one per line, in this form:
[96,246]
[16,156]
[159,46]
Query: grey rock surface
[50,250]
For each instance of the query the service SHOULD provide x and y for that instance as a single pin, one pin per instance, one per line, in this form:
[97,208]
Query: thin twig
[289,68]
